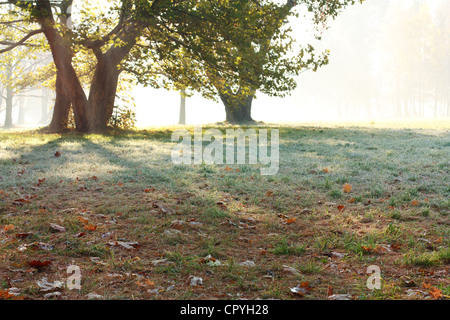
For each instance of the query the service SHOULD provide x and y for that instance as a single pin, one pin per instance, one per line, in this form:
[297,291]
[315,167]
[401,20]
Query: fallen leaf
[57,154]
[248,264]
[289,221]
[57,227]
[269,193]
[46,286]
[8,227]
[301,290]
[195,281]
[4,294]
[177,225]
[341,208]
[415,203]
[23,235]
[90,227]
[347,188]
[426,285]
[21,201]
[326,170]
[291,270]
[330,292]
[435,293]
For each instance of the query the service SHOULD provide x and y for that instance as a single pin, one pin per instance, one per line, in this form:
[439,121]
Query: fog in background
[390,59]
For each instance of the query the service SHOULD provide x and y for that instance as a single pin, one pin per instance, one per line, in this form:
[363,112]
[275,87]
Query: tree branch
[22,42]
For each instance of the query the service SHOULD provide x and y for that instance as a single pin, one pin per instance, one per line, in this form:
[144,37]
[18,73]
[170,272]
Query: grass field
[139,227]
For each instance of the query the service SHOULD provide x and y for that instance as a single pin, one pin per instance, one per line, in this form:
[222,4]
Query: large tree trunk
[103,90]
[61,109]
[9,108]
[238,108]
[62,57]
[103,94]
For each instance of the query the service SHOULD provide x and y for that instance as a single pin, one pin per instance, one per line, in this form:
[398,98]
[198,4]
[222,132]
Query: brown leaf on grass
[177,224]
[4,295]
[435,293]
[57,228]
[367,249]
[352,200]
[90,227]
[8,227]
[341,208]
[57,154]
[326,170]
[83,220]
[289,221]
[146,283]
[301,290]
[347,188]
[126,245]
[426,285]
[149,190]
[222,205]
[415,203]
[21,201]
[269,193]
[330,291]
[23,235]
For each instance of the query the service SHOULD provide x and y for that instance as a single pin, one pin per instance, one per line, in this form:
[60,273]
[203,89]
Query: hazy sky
[160,107]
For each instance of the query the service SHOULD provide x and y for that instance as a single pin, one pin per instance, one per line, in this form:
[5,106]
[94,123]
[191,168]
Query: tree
[18,68]
[263,54]
[110,46]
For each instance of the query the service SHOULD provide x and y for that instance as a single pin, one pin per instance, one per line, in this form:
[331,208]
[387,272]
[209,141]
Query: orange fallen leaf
[289,221]
[177,225]
[435,293]
[330,291]
[22,201]
[366,249]
[352,200]
[426,285]
[341,208]
[90,227]
[347,188]
[269,193]
[415,203]
[8,227]
[83,220]
[4,294]
[302,289]
[326,170]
